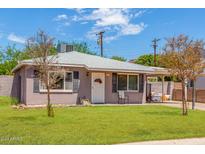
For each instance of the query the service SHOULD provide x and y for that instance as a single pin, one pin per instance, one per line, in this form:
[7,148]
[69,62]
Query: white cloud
[108,17]
[115,19]
[61,17]
[116,22]
[132,29]
[94,30]
[139,13]
[92,34]
[62,21]
[15,38]
[76,18]
[104,17]
[111,38]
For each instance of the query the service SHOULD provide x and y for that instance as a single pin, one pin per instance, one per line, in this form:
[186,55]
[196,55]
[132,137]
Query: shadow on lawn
[27,118]
[176,113]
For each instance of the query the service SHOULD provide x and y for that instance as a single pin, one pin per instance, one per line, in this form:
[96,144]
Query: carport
[159,92]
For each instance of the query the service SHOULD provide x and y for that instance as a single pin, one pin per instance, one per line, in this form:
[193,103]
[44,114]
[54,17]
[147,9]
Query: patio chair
[122,97]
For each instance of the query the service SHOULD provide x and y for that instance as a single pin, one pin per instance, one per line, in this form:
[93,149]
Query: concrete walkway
[189,141]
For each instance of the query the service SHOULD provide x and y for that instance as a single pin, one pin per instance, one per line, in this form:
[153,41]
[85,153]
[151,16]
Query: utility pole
[100,41]
[155,40]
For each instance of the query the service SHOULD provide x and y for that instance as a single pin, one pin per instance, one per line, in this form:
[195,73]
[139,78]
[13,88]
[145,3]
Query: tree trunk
[184,102]
[49,105]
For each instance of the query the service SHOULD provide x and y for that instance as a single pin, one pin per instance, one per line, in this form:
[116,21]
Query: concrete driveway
[188,141]
[198,106]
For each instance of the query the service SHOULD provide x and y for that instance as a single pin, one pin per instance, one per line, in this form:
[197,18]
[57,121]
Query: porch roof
[97,63]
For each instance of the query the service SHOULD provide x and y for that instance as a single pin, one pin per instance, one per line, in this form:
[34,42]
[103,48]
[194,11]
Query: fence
[200,95]
[6,83]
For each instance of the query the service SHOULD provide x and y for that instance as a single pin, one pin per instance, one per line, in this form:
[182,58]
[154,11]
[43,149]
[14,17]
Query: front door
[98,88]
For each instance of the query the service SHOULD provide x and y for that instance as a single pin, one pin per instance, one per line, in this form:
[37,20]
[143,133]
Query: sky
[128,32]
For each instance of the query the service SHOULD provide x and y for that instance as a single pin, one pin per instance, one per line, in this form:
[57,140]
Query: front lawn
[98,125]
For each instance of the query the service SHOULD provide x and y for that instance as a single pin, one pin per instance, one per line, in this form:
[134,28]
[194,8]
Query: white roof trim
[118,70]
[84,66]
[30,64]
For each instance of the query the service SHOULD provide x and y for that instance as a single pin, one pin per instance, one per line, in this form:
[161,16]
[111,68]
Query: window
[133,82]
[114,82]
[68,81]
[76,81]
[75,75]
[127,82]
[59,78]
[122,82]
[64,82]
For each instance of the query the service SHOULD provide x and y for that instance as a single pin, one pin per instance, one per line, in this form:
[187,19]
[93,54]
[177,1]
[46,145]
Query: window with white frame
[64,81]
[127,82]
[69,81]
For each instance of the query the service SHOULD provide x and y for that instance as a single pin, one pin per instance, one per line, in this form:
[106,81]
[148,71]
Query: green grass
[5,100]
[98,125]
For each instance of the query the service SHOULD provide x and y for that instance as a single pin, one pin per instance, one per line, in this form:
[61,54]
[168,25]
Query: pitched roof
[92,62]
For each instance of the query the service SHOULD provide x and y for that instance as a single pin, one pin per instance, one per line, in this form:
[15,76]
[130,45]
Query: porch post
[162,88]
[186,89]
[144,89]
[193,94]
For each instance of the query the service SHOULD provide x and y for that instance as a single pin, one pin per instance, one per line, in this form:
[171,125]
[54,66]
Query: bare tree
[40,47]
[184,58]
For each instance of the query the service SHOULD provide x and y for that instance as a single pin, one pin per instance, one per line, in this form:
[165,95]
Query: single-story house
[93,77]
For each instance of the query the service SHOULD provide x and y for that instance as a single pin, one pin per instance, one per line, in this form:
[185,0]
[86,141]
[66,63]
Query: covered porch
[127,87]
[157,88]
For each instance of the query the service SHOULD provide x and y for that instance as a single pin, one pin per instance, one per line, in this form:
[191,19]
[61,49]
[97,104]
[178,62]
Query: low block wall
[6,83]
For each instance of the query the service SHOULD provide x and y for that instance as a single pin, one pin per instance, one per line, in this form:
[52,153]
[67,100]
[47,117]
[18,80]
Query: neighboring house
[200,81]
[95,78]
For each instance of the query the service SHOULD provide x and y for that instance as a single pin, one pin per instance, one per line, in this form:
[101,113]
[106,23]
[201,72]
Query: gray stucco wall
[33,98]
[19,85]
[110,97]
